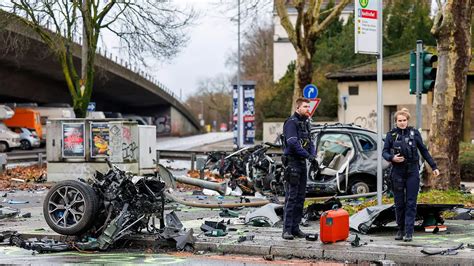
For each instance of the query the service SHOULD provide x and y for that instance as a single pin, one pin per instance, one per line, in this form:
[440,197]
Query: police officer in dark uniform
[401,149]
[298,147]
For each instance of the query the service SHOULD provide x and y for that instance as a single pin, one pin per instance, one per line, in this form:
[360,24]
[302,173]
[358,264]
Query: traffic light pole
[419,75]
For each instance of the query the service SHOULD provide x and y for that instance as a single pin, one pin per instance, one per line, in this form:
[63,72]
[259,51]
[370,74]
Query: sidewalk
[380,244]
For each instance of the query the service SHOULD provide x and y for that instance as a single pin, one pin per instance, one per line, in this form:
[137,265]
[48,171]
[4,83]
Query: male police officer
[298,147]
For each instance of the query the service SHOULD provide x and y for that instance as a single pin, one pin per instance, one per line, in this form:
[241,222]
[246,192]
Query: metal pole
[379,106]
[240,100]
[85,47]
[419,50]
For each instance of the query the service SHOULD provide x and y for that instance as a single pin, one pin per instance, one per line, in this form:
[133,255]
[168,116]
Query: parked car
[8,138]
[28,138]
[347,156]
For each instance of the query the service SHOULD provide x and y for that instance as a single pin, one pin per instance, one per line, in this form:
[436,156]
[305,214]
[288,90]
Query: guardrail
[40,157]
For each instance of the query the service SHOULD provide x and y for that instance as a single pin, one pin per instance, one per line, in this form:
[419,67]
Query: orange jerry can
[334,226]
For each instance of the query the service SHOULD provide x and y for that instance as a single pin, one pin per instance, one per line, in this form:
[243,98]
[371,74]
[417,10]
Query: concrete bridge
[29,72]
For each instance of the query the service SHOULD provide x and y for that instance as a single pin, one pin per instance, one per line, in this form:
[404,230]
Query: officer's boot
[299,234]
[399,235]
[287,236]
[408,238]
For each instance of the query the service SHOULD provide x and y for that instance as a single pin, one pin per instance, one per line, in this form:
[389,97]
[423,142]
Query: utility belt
[287,159]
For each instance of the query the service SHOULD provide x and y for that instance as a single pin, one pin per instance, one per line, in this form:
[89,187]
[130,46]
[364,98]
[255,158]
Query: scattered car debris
[464,214]
[248,237]
[381,215]
[26,215]
[7,212]
[211,225]
[267,213]
[356,242]
[173,221]
[216,233]
[435,228]
[18,202]
[228,213]
[111,206]
[438,251]
[314,211]
[312,237]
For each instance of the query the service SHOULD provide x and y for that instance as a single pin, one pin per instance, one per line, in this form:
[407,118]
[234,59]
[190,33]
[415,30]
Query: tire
[4,147]
[359,186]
[79,216]
[25,144]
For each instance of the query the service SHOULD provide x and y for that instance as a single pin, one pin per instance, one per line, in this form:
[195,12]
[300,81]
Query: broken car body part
[108,207]
[266,213]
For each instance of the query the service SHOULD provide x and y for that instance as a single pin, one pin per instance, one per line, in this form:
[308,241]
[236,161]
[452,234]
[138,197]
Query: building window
[354,90]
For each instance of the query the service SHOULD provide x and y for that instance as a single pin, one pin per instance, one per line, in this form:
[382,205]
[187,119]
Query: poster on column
[73,140]
[248,113]
[99,140]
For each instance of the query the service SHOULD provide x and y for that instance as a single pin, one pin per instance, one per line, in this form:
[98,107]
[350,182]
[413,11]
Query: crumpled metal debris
[211,225]
[442,251]
[313,212]
[126,204]
[464,214]
[382,215]
[7,212]
[267,213]
[378,215]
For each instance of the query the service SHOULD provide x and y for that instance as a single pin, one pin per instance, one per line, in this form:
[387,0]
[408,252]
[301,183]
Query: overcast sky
[212,39]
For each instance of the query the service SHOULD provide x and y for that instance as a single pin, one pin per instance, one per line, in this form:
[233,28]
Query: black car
[347,156]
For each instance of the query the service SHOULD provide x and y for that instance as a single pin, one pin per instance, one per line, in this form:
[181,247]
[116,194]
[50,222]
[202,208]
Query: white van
[8,138]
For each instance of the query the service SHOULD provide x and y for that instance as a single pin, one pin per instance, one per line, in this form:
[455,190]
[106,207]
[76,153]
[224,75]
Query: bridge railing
[120,61]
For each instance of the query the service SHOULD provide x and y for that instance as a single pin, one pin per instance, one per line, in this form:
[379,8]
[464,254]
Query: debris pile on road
[111,206]
[23,178]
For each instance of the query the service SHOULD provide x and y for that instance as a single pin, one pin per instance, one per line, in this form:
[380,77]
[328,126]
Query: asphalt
[378,246]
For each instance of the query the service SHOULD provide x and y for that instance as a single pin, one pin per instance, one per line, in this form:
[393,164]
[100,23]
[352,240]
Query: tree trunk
[452,31]
[303,77]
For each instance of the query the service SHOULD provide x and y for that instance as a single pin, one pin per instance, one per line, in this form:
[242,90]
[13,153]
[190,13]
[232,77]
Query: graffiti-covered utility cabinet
[77,148]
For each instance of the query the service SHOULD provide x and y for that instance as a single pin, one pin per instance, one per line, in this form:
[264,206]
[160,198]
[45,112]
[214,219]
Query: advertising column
[248,113]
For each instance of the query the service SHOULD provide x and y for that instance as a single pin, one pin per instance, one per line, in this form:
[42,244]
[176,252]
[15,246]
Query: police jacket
[407,142]
[297,135]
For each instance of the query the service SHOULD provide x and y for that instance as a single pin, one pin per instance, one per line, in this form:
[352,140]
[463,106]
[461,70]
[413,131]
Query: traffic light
[413,72]
[428,71]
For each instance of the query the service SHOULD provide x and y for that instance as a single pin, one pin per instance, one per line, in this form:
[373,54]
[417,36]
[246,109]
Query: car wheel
[25,144]
[70,207]
[3,147]
[359,186]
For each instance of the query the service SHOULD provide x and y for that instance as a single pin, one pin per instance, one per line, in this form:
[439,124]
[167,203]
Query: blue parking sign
[310,91]
[91,107]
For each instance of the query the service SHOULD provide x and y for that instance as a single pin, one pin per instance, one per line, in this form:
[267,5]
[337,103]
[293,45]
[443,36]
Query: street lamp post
[240,102]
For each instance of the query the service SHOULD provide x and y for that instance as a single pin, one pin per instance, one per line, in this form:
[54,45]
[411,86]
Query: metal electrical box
[77,148]
[147,149]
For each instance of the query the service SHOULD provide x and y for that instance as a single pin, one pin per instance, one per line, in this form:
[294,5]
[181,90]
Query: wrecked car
[107,207]
[347,156]
[251,169]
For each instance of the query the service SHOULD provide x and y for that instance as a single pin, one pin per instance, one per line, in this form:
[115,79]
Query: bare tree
[144,28]
[214,99]
[310,24]
[452,31]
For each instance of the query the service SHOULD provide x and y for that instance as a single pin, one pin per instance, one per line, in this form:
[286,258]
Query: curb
[335,253]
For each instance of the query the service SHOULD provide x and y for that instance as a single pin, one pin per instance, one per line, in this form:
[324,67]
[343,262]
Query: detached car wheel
[359,186]
[70,207]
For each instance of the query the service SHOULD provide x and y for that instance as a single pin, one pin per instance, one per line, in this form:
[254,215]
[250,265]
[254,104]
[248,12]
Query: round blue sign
[310,91]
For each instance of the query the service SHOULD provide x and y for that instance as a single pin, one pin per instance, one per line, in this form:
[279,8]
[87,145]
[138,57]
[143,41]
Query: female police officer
[401,148]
